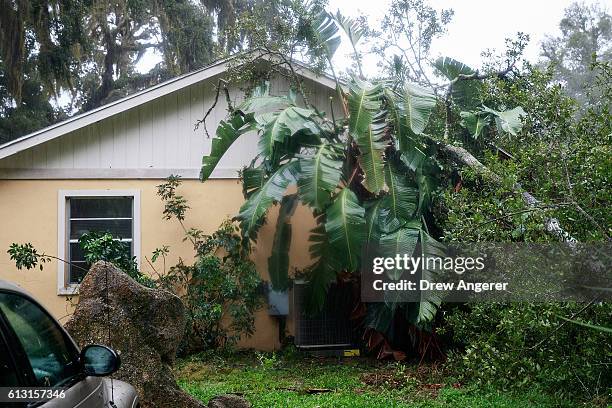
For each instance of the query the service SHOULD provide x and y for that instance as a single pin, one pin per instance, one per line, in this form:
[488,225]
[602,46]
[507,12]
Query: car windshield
[53,358]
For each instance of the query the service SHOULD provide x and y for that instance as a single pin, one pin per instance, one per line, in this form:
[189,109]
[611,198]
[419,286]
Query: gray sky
[476,26]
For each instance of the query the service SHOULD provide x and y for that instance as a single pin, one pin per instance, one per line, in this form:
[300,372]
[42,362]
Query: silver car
[41,366]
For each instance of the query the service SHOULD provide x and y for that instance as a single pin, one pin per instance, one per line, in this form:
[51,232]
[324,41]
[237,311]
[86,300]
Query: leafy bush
[522,345]
[98,246]
[220,290]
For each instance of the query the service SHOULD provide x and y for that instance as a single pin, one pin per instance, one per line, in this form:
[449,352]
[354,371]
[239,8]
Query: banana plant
[350,174]
[366,177]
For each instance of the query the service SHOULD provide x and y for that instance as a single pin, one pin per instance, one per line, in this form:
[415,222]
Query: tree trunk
[462,157]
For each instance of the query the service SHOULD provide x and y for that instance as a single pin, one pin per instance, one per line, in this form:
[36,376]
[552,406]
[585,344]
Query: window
[115,212]
[52,356]
[8,374]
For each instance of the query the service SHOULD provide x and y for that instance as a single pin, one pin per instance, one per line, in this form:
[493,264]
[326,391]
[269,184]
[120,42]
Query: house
[100,170]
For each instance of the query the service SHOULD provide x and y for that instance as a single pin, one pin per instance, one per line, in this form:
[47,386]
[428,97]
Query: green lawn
[268,380]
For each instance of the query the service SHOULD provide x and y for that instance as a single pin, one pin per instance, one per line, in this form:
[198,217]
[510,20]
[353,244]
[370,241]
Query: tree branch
[462,157]
[221,85]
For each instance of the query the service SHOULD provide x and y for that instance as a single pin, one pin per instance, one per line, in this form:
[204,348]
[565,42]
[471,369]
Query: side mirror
[99,361]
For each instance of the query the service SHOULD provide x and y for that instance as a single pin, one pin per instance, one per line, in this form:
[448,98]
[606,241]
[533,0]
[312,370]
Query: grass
[268,380]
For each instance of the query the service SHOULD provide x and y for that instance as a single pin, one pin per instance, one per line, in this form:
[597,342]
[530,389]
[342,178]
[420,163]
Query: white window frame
[63,287]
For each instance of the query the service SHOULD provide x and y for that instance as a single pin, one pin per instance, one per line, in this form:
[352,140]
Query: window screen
[114,215]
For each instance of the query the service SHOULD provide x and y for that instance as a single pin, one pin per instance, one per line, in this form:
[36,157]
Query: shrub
[98,246]
[221,290]
[519,345]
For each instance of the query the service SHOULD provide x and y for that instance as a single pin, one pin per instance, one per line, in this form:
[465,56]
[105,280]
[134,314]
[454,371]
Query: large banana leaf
[373,215]
[379,316]
[418,103]
[424,311]
[475,123]
[345,227]
[396,116]
[279,127]
[466,93]
[508,121]
[319,176]
[372,146]
[407,126]
[413,157]
[363,103]
[320,276]
[415,241]
[261,101]
[278,262]
[401,202]
[227,133]
[427,184]
[252,212]
[253,178]
[351,27]
[326,33]
[325,269]
[401,241]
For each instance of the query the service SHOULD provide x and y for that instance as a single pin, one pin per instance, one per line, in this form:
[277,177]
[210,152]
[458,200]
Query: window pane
[117,228]
[53,358]
[101,207]
[8,375]
[77,272]
[96,214]
[76,253]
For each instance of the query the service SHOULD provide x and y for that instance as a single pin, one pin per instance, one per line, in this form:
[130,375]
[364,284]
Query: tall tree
[586,38]
[92,48]
[404,41]
[45,33]
[123,31]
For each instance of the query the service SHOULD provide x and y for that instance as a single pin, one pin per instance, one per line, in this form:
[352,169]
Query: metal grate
[331,327]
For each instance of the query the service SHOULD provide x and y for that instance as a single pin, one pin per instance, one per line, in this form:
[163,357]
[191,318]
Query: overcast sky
[477,24]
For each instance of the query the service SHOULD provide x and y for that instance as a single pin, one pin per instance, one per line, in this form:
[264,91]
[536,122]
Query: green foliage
[278,262]
[227,133]
[345,228]
[513,346]
[403,41]
[586,38]
[215,288]
[252,212]
[321,175]
[26,256]
[96,246]
[91,50]
[465,93]
[563,160]
[221,290]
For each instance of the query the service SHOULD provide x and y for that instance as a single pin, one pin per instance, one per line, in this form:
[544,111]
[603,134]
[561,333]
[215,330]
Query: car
[42,366]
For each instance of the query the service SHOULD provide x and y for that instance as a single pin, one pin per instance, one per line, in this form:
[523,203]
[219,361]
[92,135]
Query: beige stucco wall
[29,214]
